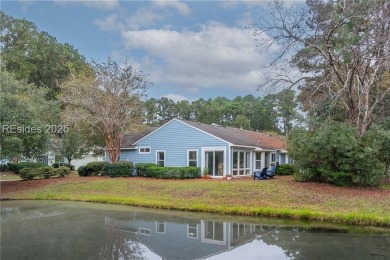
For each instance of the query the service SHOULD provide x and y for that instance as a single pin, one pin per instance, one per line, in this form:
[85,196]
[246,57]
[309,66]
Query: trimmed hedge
[92,169]
[16,167]
[83,171]
[57,165]
[46,171]
[285,169]
[62,171]
[118,169]
[172,172]
[29,173]
[142,168]
[4,167]
[95,168]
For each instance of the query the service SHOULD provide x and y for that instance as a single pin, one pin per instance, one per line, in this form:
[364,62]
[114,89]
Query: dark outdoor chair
[261,175]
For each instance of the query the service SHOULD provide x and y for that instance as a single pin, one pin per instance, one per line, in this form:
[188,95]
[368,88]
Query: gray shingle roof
[241,137]
[235,136]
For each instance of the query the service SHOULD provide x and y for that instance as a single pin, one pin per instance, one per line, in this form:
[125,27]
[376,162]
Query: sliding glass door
[214,162]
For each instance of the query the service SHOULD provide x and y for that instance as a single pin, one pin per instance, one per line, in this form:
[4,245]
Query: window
[160,227]
[144,150]
[192,230]
[144,231]
[160,158]
[273,157]
[258,161]
[241,163]
[192,158]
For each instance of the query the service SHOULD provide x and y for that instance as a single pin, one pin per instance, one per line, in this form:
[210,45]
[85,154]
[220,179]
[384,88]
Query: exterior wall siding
[175,138]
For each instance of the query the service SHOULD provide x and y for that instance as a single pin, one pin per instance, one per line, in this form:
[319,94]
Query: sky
[188,49]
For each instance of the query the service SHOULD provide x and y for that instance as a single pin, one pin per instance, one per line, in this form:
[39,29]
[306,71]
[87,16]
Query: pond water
[77,230]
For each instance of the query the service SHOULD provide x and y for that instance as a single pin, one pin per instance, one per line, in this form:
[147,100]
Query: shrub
[62,171]
[335,153]
[29,173]
[4,167]
[83,171]
[16,167]
[142,168]
[95,168]
[285,169]
[57,165]
[46,171]
[173,172]
[118,169]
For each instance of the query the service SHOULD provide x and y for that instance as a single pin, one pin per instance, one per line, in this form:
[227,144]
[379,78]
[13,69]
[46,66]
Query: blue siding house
[220,149]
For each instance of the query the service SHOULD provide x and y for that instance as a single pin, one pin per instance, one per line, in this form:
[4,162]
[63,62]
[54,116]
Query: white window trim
[212,241]
[144,147]
[247,168]
[165,156]
[197,231]
[214,149]
[188,157]
[157,224]
[144,231]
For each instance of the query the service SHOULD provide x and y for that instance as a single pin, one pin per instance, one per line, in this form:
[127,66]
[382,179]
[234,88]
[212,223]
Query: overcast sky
[190,49]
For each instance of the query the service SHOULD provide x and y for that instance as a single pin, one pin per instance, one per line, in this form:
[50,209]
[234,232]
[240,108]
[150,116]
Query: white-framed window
[192,158]
[144,149]
[241,163]
[273,157]
[144,231]
[160,158]
[160,227]
[213,232]
[257,160]
[192,230]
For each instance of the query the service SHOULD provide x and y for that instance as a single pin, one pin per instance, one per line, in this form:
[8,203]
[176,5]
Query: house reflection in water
[189,239]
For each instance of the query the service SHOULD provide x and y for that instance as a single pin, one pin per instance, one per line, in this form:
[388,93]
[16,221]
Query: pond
[80,230]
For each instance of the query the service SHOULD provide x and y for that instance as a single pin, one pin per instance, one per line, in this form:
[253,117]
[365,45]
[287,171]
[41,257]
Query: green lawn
[273,198]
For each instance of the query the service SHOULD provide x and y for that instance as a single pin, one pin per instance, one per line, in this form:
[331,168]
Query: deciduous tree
[342,50]
[108,100]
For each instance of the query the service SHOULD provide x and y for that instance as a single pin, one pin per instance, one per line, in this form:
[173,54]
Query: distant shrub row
[118,169]
[91,169]
[45,172]
[16,167]
[155,171]
[57,165]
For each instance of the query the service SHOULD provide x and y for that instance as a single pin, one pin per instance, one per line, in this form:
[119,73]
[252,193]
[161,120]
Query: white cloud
[175,97]
[215,56]
[107,24]
[100,4]
[181,7]
[142,18]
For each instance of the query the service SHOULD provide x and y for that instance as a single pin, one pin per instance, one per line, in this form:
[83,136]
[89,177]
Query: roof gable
[232,136]
[241,137]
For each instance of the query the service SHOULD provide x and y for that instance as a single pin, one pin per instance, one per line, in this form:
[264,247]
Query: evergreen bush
[118,169]
[4,167]
[62,171]
[142,168]
[16,167]
[285,169]
[29,173]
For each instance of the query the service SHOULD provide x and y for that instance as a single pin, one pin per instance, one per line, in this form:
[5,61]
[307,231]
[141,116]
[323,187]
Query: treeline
[273,112]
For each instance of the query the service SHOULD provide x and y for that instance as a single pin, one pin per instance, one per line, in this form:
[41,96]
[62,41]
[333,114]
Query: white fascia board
[245,147]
